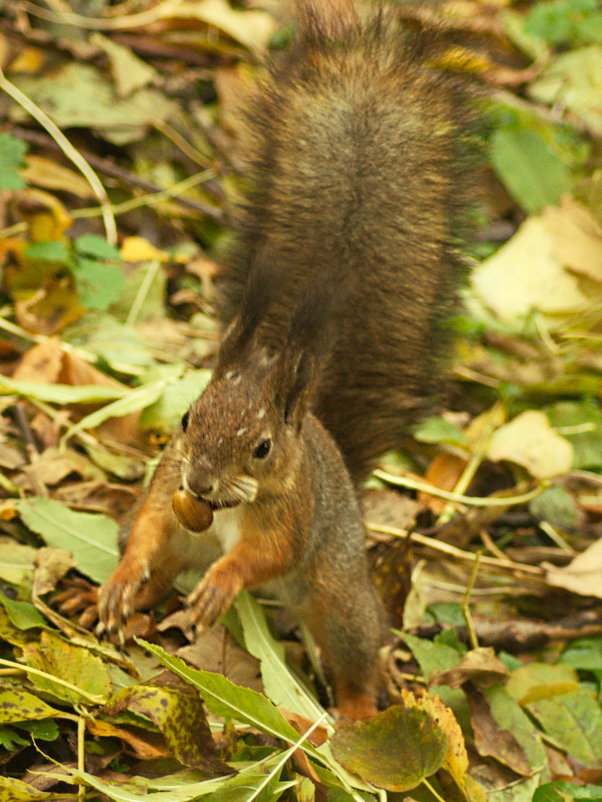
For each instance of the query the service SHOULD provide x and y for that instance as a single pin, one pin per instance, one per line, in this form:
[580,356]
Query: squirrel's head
[242,437]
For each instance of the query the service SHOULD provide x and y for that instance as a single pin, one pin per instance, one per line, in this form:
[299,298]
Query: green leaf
[91,537]
[555,505]
[50,251]
[436,429]
[12,151]
[531,171]
[224,698]
[44,730]
[10,740]
[570,22]
[16,562]
[396,750]
[564,792]
[93,245]
[164,414]
[60,393]
[22,614]
[98,284]
[279,683]
[574,720]
[583,653]
[581,424]
[431,656]
[133,401]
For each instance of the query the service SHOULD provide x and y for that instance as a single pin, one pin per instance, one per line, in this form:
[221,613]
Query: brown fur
[333,300]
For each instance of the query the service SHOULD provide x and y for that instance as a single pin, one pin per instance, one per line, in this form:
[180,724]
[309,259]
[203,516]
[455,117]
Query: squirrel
[333,305]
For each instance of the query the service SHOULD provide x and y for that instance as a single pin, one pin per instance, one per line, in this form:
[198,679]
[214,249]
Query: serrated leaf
[179,714]
[396,750]
[226,699]
[279,683]
[91,537]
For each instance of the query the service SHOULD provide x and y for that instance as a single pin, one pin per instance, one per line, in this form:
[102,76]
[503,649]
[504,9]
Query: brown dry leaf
[577,237]
[41,363]
[581,575]
[492,741]
[51,564]
[50,363]
[216,650]
[145,745]
[52,466]
[479,666]
[443,472]
[48,174]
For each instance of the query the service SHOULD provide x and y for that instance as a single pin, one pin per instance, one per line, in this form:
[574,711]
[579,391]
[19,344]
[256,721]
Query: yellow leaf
[138,249]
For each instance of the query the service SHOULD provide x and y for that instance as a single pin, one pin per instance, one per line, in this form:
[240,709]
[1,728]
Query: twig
[70,152]
[502,566]
[125,177]
[472,635]
[471,501]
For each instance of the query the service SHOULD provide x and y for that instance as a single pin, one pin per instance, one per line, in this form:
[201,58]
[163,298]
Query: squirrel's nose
[198,490]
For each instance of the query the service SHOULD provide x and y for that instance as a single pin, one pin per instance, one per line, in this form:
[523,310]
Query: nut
[191,512]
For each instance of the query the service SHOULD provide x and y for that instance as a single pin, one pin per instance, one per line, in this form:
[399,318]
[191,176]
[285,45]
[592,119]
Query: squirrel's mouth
[221,504]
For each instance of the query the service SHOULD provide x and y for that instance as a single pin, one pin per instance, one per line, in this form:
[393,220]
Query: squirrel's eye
[263,449]
[185,418]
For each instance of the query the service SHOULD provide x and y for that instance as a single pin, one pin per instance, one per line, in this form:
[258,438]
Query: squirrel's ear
[295,379]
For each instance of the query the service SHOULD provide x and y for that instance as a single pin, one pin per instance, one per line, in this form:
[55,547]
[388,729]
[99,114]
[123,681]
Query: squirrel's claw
[116,601]
[212,597]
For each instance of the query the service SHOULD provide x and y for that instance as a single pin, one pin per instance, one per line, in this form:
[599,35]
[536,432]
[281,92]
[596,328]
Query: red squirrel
[332,304]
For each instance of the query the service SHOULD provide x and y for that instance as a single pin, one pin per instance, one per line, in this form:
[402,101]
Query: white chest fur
[226,526]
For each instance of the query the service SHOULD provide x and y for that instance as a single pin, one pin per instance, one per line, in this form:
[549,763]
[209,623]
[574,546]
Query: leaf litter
[102,350]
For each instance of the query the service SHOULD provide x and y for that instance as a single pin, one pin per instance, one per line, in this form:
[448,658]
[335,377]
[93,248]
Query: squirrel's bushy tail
[359,185]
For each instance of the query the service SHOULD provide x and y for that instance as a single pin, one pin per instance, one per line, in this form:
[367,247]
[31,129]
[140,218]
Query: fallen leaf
[479,666]
[581,575]
[396,749]
[530,441]
[526,274]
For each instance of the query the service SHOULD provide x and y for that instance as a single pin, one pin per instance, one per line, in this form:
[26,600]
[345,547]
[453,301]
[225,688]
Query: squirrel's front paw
[116,601]
[213,595]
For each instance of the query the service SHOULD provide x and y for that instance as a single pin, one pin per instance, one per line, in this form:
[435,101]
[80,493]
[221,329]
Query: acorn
[191,512]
